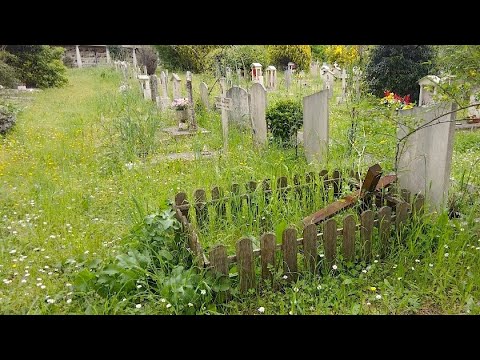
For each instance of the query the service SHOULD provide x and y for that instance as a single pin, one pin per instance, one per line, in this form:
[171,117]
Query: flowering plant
[180,103]
[400,103]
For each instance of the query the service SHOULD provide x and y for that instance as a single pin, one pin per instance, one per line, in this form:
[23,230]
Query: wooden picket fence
[393,213]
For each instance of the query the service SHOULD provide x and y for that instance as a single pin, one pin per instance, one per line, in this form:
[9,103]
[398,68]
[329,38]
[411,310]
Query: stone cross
[188,83]
[224,104]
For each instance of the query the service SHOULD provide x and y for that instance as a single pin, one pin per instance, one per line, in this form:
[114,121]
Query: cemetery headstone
[315,126]
[191,108]
[258,104]
[240,112]
[154,89]
[145,86]
[204,95]
[164,99]
[288,79]
[224,104]
[176,86]
[425,156]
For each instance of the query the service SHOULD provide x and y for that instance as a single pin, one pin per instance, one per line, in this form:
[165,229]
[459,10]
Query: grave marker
[315,126]
[224,104]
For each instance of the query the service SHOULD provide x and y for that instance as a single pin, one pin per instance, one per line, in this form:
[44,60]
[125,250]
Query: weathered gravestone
[258,104]
[164,99]
[288,78]
[204,95]
[145,86]
[224,104]
[240,113]
[315,126]
[176,86]
[425,156]
[154,88]
[191,108]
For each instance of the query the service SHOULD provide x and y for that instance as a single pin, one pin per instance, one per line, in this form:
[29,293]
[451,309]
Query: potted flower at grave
[180,106]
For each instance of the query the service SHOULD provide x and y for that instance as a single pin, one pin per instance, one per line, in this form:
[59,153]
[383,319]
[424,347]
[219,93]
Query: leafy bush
[38,65]
[148,57]
[281,55]
[318,52]
[397,68]
[236,56]
[341,54]
[184,57]
[156,262]
[7,117]
[8,75]
[284,119]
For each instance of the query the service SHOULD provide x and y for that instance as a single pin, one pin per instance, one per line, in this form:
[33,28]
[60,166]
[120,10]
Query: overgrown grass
[83,159]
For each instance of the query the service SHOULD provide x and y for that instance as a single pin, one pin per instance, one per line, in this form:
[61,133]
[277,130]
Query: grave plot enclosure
[313,247]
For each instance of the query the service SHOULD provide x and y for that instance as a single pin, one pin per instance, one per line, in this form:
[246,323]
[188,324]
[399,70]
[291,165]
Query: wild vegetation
[87,227]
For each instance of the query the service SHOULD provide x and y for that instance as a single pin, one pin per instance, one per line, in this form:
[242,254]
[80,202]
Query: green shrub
[8,75]
[7,117]
[281,55]
[318,52]
[236,56]
[38,65]
[184,57]
[397,68]
[284,119]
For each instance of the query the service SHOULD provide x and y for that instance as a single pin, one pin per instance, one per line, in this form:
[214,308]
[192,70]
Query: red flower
[406,99]
[386,93]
